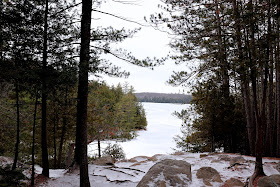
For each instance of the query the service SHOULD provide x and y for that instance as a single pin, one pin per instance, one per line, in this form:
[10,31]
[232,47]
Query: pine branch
[113,54]
[71,6]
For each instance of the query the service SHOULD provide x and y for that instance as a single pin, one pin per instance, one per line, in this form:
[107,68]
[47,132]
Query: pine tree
[45,159]
[81,126]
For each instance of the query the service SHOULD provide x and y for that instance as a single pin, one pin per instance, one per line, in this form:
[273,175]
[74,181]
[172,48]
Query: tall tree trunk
[244,81]
[64,124]
[18,128]
[45,161]
[261,122]
[54,139]
[222,58]
[33,140]
[251,127]
[270,116]
[269,127]
[99,147]
[259,135]
[278,81]
[278,103]
[213,133]
[81,126]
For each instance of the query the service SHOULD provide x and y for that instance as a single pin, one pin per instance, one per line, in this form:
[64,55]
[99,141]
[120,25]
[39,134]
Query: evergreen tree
[235,46]
[21,52]
[45,159]
[81,126]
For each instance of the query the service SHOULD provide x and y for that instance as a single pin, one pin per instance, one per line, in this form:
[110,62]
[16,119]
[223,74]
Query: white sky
[147,42]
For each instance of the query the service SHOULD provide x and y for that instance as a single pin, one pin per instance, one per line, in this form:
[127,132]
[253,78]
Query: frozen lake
[158,138]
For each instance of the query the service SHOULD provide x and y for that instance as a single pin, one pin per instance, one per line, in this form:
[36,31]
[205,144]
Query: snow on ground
[158,138]
[130,172]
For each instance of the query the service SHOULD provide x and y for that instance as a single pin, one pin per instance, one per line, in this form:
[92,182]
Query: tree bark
[64,124]
[270,121]
[277,56]
[45,161]
[278,105]
[33,141]
[99,147]
[54,139]
[251,127]
[259,122]
[18,128]
[81,126]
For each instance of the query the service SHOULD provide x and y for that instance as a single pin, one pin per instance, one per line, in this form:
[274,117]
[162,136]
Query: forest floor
[129,172]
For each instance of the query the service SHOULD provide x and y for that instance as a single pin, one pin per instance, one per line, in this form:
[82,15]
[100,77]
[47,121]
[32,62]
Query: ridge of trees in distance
[163,97]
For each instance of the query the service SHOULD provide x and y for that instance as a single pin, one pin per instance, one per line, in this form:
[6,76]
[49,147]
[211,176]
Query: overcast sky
[148,42]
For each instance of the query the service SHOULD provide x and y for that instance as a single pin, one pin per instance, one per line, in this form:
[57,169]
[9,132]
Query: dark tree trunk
[244,82]
[18,128]
[81,126]
[277,56]
[33,141]
[45,161]
[278,103]
[270,118]
[259,122]
[259,134]
[270,121]
[222,58]
[64,124]
[99,147]
[54,139]
[251,127]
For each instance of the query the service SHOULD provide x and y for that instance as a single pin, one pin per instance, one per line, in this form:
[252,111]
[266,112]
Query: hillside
[163,97]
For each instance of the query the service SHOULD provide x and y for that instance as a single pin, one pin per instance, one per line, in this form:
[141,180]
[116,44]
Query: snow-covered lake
[158,138]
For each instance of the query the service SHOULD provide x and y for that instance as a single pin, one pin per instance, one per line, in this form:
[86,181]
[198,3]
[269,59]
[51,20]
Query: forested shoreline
[113,110]
[113,113]
[163,98]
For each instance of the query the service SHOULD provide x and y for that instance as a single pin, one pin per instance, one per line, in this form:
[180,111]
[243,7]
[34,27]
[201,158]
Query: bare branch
[119,17]
[127,2]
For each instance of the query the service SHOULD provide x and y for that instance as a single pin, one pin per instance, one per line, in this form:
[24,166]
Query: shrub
[115,150]
[10,177]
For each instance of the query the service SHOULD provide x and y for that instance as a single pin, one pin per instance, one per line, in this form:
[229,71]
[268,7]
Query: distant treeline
[163,98]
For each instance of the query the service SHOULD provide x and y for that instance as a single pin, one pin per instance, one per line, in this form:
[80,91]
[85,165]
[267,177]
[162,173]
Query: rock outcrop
[269,181]
[278,167]
[224,157]
[104,161]
[232,182]
[237,161]
[5,161]
[208,175]
[167,173]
